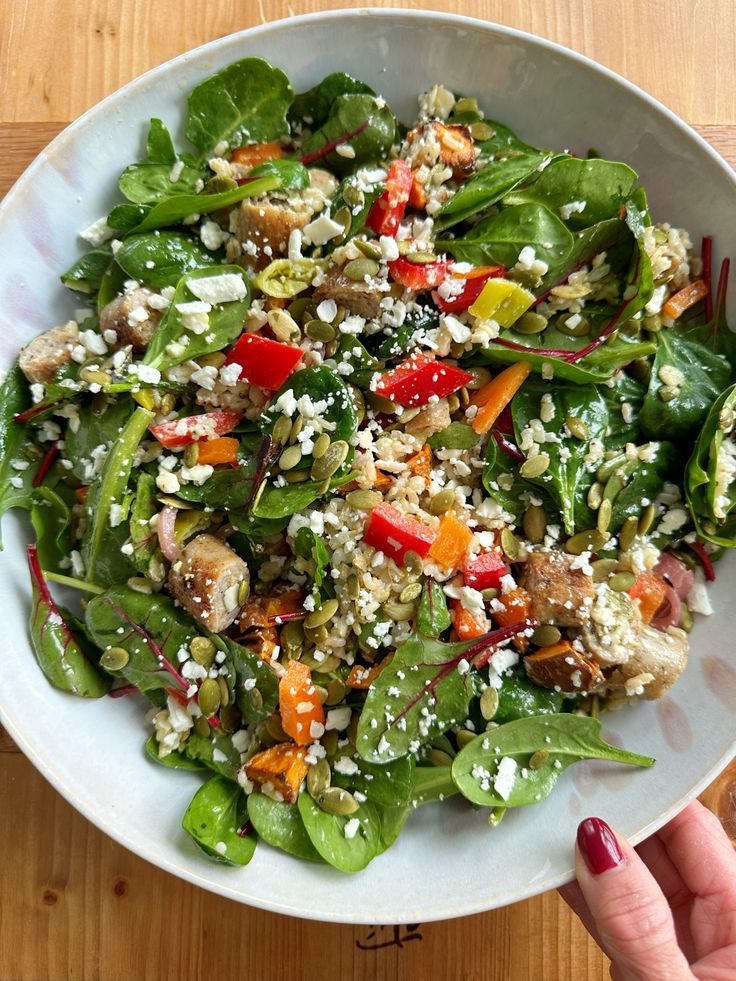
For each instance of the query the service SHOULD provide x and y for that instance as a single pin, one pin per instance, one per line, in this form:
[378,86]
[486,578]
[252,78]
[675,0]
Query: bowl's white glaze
[447,862]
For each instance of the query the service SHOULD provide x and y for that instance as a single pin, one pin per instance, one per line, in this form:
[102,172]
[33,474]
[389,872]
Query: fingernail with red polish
[598,845]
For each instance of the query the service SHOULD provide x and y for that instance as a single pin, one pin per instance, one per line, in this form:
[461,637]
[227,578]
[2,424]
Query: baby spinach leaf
[280,825]
[309,546]
[503,143]
[623,423]
[501,237]
[175,760]
[111,285]
[432,783]
[457,436]
[280,502]
[227,490]
[159,145]
[505,486]
[433,617]
[214,818]
[172,209]
[566,479]
[246,102]
[643,480]
[126,216]
[698,376]
[358,212]
[225,322]
[327,834]
[173,254]
[51,520]
[256,687]
[86,443]
[710,477]
[611,236]
[518,698]
[372,127]
[567,738]
[214,752]
[313,106]
[363,365]
[149,627]
[59,652]
[106,531]
[488,186]
[148,183]
[292,175]
[142,535]
[602,185]
[14,398]
[85,275]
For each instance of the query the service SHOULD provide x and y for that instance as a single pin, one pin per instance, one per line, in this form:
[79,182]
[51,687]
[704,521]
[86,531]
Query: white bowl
[447,862]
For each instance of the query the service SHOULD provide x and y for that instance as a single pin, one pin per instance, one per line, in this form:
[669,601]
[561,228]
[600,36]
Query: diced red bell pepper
[388,209]
[191,429]
[395,534]
[264,362]
[484,571]
[417,379]
[418,276]
[472,288]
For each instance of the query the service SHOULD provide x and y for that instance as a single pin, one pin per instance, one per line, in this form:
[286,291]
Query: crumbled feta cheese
[224,288]
[322,230]
[97,233]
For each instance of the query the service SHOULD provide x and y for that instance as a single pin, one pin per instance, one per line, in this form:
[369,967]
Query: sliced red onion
[676,573]
[668,614]
[166,533]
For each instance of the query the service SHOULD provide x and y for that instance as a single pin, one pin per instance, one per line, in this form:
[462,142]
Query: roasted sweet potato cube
[280,769]
[563,667]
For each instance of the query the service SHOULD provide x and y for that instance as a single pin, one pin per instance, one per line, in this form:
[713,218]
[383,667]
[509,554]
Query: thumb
[631,914]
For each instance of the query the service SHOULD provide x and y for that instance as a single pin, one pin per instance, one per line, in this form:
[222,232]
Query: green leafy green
[519,698]
[246,102]
[85,275]
[82,443]
[329,396]
[214,819]
[176,760]
[51,520]
[280,502]
[398,341]
[280,825]
[142,535]
[255,687]
[310,546]
[457,436]
[160,259]
[710,486]
[149,183]
[173,209]
[313,106]
[433,617]
[291,174]
[567,739]
[14,398]
[373,129]
[214,752]
[126,216]
[327,834]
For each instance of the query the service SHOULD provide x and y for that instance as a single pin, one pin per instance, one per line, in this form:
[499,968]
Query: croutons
[451,145]
[358,297]
[41,359]
[431,419]
[207,579]
[132,319]
[564,668]
[279,770]
[559,594]
[655,665]
[267,225]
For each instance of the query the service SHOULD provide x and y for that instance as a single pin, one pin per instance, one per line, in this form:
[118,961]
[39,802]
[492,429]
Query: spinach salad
[382,460]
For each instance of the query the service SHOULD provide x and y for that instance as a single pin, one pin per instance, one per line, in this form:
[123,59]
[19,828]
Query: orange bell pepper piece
[283,766]
[224,449]
[257,153]
[302,715]
[451,543]
[493,398]
[648,593]
[687,297]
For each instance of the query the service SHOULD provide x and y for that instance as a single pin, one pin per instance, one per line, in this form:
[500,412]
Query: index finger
[702,853]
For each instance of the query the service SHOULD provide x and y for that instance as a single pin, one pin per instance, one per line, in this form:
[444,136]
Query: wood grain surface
[73,904]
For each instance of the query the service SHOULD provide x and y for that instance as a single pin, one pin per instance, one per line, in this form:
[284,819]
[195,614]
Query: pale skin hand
[667,912]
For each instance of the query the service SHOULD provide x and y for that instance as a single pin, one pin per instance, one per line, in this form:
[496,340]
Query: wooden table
[72,903]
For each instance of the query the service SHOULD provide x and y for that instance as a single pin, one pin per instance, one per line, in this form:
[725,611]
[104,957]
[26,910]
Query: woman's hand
[665,911]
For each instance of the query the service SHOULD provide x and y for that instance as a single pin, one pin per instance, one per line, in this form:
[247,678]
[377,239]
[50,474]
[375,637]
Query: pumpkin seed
[357,269]
[687,621]
[653,323]
[399,612]
[322,615]
[363,500]
[331,462]
[327,664]
[209,698]
[292,639]
[243,592]
[453,403]
[534,466]
[468,104]
[296,427]
[411,592]
[413,564]
[535,523]
[640,370]
[628,533]
[531,323]
[571,291]
[464,736]
[488,703]
[603,568]
[358,402]
[145,398]
[622,581]
[607,469]
[668,392]
[511,545]
[114,659]
[379,403]
[275,729]
[371,250]
[438,757]
[296,476]
[421,258]
[283,325]
[343,216]
[94,376]
[203,651]
[99,403]
[281,430]
[320,446]
[140,584]
[605,512]
[490,594]
[336,691]
[352,587]
[481,377]
[329,742]
[224,691]
[318,330]
[202,727]
[577,428]
[442,501]
[581,329]
[726,418]
[353,196]
[584,541]
[191,455]
[334,800]
[319,778]
[595,496]
[230,718]
[546,635]
[481,131]
[538,759]
[321,693]
[647,519]
[256,699]
[290,457]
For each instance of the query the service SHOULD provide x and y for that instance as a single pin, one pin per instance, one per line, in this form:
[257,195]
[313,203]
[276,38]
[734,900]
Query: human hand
[665,911]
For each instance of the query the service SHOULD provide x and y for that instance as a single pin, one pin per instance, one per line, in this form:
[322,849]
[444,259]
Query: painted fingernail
[598,845]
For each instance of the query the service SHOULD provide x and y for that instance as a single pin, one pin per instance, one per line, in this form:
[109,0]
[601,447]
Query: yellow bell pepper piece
[502,301]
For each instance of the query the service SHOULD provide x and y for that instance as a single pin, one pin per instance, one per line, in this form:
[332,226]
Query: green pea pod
[58,652]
